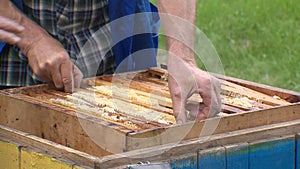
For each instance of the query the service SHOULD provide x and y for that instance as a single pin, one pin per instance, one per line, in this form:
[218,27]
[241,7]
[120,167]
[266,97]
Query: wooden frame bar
[84,133]
[164,153]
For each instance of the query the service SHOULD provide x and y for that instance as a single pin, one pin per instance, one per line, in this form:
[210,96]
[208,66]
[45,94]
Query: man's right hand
[51,63]
[186,79]
[47,57]
[10,23]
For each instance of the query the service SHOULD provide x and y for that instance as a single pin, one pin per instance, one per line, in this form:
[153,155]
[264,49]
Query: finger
[77,76]
[194,109]
[178,103]
[216,102]
[10,25]
[205,109]
[215,105]
[56,77]
[217,90]
[66,69]
[9,37]
[211,98]
[179,110]
[208,95]
[201,115]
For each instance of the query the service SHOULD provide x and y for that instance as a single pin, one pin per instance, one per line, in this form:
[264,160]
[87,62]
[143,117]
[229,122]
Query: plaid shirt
[80,25]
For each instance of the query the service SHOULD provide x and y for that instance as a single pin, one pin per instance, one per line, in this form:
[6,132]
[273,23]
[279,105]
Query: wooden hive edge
[49,147]
[168,152]
[216,125]
[288,95]
[59,125]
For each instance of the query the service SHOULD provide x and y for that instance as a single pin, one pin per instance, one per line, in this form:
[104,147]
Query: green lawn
[257,40]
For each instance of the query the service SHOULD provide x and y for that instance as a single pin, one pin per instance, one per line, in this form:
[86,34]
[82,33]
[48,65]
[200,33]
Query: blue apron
[134,39]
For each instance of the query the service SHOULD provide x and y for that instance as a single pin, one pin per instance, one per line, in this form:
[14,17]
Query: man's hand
[10,23]
[9,30]
[186,79]
[50,62]
[47,57]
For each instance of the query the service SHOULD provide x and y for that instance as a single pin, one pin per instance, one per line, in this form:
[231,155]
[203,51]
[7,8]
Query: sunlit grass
[257,40]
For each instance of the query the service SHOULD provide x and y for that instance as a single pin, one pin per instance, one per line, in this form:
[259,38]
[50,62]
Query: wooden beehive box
[96,119]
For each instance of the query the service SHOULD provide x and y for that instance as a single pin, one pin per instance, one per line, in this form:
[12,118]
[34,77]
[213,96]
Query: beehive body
[95,119]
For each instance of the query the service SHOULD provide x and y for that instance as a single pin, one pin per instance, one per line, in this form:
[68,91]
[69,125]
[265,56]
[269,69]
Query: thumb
[179,108]
[67,76]
[178,100]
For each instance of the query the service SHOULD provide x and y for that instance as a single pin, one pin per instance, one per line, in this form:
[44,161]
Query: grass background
[257,40]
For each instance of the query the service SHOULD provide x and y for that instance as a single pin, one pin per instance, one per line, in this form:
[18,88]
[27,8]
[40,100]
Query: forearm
[8,10]
[31,33]
[178,19]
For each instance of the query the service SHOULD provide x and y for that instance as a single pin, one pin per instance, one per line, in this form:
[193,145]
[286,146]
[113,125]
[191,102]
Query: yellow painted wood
[9,155]
[34,160]
[77,167]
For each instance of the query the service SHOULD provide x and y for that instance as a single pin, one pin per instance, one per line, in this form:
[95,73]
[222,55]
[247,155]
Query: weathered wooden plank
[185,161]
[52,148]
[213,158]
[144,98]
[65,125]
[215,125]
[163,102]
[9,154]
[154,71]
[238,89]
[237,156]
[51,121]
[142,88]
[31,159]
[275,153]
[297,162]
[62,126]
[11,158]
[287,95]
[168,151]
[80,167]
[134,84]
[230,109]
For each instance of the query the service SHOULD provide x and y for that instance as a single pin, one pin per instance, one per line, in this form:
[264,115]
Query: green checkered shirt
[82,28]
